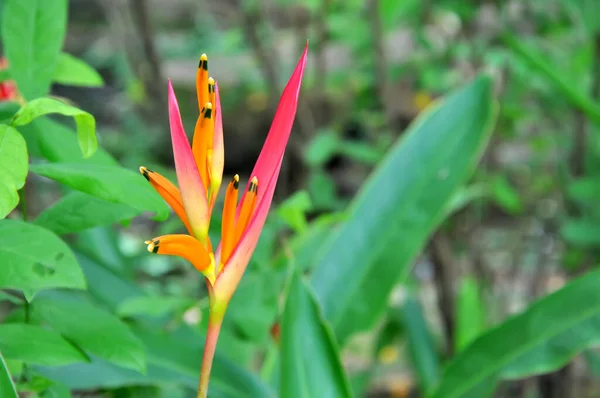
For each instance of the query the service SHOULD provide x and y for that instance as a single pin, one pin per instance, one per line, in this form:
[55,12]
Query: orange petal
[228,222]
[202,81]
[218,153]
[187,247]
[169,193]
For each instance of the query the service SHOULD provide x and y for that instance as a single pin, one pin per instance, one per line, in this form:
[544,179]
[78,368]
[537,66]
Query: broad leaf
[85,122]
[114,184]
[310,360]
[153,306]
[399,206]
[33,32]
[37,345]
[78,211]
[13,168]
[34,259]
[7,388]
[541,339]
[72,71]
[93,329]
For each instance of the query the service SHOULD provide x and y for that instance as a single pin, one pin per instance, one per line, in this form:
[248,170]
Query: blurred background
[526,223]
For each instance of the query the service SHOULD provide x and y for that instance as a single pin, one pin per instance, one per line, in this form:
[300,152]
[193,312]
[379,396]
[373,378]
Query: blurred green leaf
[34,259]
[13,168]
[114,184]
[153,306]
[7,388]
[85,122]
[293,210]
[581,232]
[37,345]
[77,211]
[421,346]
[322,147]
[181,352]
[470,313]
[574,95]
[33,32]
[305,334]
[56,391]
[541,339]
[505,195]
[398,207]
[93,329]
[72,71]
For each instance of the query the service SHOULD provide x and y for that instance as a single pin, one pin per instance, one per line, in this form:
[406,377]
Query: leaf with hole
[34,259]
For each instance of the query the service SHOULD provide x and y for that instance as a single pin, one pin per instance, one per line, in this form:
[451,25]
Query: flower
[199,169]
[8,88]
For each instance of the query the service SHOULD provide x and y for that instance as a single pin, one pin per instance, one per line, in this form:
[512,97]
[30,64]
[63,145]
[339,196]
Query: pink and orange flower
[199,169]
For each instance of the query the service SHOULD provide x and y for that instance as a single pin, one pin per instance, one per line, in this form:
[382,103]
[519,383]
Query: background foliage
[435,230]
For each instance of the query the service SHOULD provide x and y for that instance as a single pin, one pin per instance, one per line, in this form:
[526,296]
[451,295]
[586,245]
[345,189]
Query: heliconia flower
[199,169]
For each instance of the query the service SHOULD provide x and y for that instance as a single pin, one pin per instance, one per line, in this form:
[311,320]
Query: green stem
[215,321]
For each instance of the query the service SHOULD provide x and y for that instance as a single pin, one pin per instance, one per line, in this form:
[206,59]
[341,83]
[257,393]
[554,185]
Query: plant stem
[215,321]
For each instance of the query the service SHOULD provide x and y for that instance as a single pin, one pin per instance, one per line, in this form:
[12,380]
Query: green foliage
[113,184]
[13,163]
[305,334]
[530,343]
[94,330]
[37,345]
[32,36]
[374,245]
[34,259]
[7,388]
[85,122]
[470,313]
[422,349]
[72,71]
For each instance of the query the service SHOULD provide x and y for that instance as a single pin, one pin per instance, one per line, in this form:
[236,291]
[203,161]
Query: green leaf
[33,32]
[72,71]
[114,184]
[93,329]
[399,206]
[154,306]
[37,345]
[505,195]
[305,334]
[470,313]
[7,388]
[34,259]
[541,339]
[57,391]
[77,211]
[564,86]
[421,346]
[85,122]
[13,168]
[58,143]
